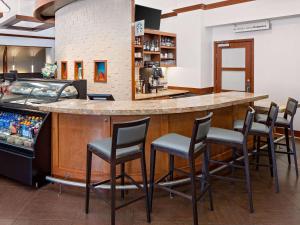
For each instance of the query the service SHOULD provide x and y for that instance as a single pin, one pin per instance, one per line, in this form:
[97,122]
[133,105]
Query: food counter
[25,132]
[77,122]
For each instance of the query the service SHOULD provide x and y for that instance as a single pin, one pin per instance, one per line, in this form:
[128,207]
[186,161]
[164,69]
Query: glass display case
[25,132]
[35,91]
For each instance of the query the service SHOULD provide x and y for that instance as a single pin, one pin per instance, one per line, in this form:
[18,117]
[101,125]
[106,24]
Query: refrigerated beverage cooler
[25,132]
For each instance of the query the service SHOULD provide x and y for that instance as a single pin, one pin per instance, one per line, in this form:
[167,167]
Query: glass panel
[37,92]
[233,80]
[234,57]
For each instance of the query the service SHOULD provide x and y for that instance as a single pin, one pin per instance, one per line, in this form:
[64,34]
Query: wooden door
[234,65]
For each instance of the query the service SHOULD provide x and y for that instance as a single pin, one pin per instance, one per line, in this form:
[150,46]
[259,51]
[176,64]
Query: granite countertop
[152,107]
[264,105]
[163,93]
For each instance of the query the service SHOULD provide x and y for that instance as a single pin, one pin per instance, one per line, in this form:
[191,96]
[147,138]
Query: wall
[277,55]
[97,30]
[249,11]
[193,50]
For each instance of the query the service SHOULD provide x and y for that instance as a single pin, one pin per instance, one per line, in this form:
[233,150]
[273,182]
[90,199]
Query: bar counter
[161,94]
[76,122]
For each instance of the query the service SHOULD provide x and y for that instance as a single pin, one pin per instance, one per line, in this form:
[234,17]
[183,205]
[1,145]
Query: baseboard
[198,91]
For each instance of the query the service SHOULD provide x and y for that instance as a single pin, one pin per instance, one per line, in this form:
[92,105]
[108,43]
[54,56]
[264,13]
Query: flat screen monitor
[151,16]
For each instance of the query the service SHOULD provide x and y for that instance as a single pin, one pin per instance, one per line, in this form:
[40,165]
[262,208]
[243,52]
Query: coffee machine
[150,79]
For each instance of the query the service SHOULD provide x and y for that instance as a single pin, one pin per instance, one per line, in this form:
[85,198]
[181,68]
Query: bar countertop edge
[152,107]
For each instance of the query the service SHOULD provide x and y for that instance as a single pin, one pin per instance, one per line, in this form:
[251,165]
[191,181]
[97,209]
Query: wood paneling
[203,7]
[72,133]
[199,91]
[4,60]
[168,15]
[132,50]
[224,3]
[45,9]
[26,36]
[233,69]
[189,8]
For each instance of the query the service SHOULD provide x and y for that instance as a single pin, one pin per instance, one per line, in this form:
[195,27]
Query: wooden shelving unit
[164,53]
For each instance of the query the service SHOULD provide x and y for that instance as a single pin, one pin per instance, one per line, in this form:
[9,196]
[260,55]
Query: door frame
[217,82]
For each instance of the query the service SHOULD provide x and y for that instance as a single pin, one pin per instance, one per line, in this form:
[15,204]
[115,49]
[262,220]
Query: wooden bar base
[72,133]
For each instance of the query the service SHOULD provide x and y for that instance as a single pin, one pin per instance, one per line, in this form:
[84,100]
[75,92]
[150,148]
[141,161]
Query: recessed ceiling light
[28,24]
[4,7]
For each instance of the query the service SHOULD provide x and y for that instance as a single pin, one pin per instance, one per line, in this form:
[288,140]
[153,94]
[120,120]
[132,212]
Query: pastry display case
[31,92]
[25,132]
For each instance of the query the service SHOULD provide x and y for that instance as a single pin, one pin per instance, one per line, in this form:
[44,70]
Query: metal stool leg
[113,193]
[193,183]
[287,141]
[171,170]
[122,180]
[145,185]
[270,157]
[152,174]
[207,176]
[294,151]
[88,180]
[257,152]
[248,178]
[274,165]
[234,157]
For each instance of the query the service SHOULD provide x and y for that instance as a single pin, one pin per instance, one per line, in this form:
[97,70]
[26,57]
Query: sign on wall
[139,28]
[255,26]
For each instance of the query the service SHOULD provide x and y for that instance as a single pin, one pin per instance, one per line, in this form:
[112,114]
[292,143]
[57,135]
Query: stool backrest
[291,108]
[248,121]
[272,115]
[129,134]
[200,130]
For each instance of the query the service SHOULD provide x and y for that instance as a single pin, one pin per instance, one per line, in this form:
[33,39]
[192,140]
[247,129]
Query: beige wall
[97,30]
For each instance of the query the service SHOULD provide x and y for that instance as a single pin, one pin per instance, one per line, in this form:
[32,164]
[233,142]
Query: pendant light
[4,7]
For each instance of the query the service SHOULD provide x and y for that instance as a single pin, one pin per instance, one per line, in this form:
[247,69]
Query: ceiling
[24,8]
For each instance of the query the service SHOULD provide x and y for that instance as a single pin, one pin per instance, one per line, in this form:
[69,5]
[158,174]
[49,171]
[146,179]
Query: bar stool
[127,144]
[265,130]
[237,141]
[286,122]
[189,149]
